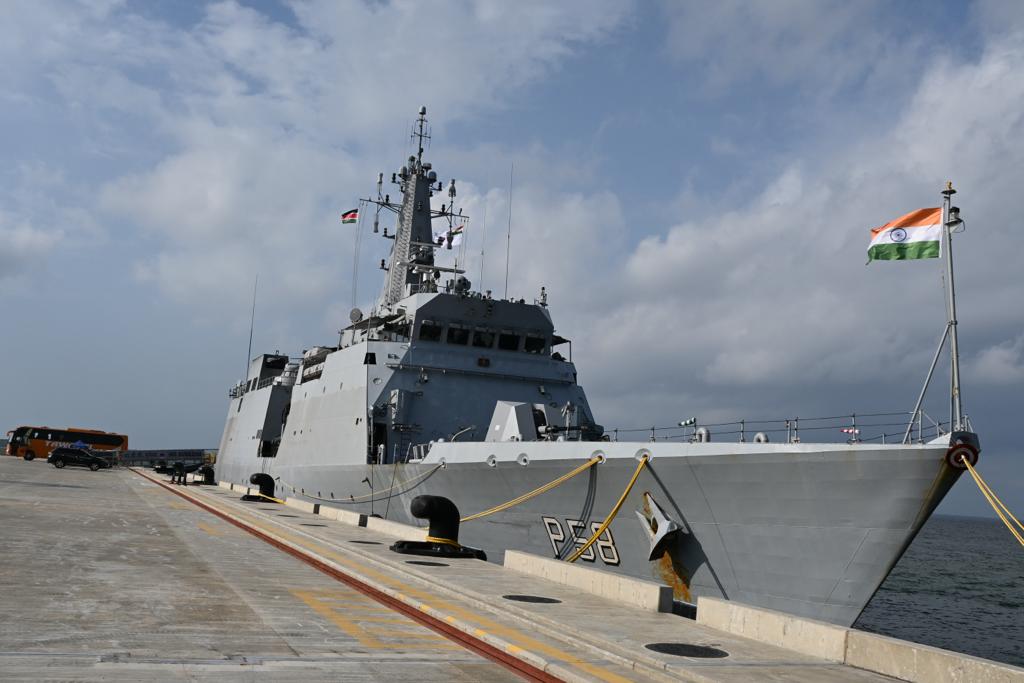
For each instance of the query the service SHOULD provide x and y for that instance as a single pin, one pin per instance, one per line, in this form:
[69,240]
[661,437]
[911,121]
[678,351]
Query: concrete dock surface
[115,575]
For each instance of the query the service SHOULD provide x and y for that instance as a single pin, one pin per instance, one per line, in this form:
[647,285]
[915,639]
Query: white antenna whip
[508,239]
[252,324]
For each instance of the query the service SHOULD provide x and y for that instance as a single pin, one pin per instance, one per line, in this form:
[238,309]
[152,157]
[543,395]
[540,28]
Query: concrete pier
[117,575]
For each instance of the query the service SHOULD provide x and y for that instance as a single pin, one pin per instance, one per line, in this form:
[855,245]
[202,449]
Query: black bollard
[443,534]
[266,484]
[208,475]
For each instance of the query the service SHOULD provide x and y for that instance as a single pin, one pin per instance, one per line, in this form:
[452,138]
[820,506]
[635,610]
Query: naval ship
[447,391]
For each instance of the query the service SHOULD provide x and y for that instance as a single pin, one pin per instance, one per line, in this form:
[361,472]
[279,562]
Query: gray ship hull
[810,529]
[448,391]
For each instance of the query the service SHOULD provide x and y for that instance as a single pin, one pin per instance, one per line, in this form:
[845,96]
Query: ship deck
[118,575]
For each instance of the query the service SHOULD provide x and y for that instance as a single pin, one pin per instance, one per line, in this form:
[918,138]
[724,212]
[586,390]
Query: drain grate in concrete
[687,650]
[532,598]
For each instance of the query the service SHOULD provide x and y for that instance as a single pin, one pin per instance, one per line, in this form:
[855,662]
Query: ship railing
[885,428]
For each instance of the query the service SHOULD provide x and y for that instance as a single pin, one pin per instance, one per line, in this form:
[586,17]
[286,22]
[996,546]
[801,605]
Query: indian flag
[350,216]
[916,235]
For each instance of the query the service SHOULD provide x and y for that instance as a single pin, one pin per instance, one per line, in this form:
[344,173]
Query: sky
[692,183]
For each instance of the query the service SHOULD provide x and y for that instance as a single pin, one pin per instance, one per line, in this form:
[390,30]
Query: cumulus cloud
[1001,363]
[23,247]
[233,140]
[808,43]
[773,294]
[242,134]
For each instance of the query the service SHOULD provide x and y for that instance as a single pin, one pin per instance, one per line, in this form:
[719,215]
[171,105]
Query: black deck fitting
[443,535]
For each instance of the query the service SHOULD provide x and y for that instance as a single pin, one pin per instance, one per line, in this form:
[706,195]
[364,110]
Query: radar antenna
[421,133]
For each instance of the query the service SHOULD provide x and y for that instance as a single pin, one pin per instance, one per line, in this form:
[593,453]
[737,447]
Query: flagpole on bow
[950,219]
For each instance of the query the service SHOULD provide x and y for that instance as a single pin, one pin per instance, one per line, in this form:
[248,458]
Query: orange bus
[37,442]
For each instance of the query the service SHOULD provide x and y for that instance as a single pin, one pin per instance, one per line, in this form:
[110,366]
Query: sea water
[960,586]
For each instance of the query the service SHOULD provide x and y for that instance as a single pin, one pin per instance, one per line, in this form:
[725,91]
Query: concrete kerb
[633,592]
[889,656]
[923,664]
[384,526]
[806,636]
[637,661]
[532,658]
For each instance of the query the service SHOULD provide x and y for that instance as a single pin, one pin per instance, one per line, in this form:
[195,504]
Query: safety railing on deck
[891,427]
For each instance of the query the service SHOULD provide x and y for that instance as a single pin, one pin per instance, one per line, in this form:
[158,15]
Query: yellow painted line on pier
[425,601]
[367,630]
[212,530]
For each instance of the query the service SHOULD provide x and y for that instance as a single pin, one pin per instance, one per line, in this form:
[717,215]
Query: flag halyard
[916,235]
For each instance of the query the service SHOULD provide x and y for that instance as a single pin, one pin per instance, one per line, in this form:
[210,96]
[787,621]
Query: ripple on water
[959,587]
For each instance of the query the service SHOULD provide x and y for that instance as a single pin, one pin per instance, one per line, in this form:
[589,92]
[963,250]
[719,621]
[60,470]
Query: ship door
[378,444]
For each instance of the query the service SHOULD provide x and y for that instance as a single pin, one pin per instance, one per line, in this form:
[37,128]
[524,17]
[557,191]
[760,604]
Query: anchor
[660,529]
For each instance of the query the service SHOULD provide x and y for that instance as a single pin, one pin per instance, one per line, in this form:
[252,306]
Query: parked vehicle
[81,457]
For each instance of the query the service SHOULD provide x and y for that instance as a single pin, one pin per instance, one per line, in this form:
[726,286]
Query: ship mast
[950,220]
[410,267]
[957,421]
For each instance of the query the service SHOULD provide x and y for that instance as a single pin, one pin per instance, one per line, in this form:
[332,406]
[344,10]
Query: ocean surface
[960,586]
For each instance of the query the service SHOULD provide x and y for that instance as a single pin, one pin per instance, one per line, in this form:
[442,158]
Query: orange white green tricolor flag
[916,235]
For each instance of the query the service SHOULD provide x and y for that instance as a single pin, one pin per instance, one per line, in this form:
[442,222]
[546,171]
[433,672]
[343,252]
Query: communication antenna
[252,324]
[421,131]
[483,239]
[358,244]
[508,238]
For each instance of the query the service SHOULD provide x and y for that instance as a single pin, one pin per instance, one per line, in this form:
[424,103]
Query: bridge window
[458,335]
[430,331]
[536,344]
[483,339]
[508,342]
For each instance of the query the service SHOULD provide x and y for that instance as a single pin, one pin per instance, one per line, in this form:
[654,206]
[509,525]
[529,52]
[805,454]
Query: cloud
[23,247]
[1001,363]
[772,295]
[261,125]
[806,43]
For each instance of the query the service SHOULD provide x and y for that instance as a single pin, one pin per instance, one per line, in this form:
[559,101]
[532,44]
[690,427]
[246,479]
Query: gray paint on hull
[812,534]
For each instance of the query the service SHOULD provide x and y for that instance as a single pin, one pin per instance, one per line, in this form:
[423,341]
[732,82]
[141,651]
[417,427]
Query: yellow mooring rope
[611,515]
[271,498]
[534,493]
[996,504]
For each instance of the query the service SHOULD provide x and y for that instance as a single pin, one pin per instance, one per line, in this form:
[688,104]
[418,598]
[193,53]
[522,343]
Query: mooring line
[994,501]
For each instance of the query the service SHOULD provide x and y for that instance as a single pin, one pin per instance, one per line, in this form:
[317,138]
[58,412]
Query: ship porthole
[523,459]
[492,461]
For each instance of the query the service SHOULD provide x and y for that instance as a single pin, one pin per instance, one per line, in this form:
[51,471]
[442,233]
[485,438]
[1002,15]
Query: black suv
[76,456]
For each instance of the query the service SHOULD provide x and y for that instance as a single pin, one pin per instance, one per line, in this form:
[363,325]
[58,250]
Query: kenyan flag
[351,216]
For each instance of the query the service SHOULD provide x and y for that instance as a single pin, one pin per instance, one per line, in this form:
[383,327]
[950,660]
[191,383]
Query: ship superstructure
[443,390]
